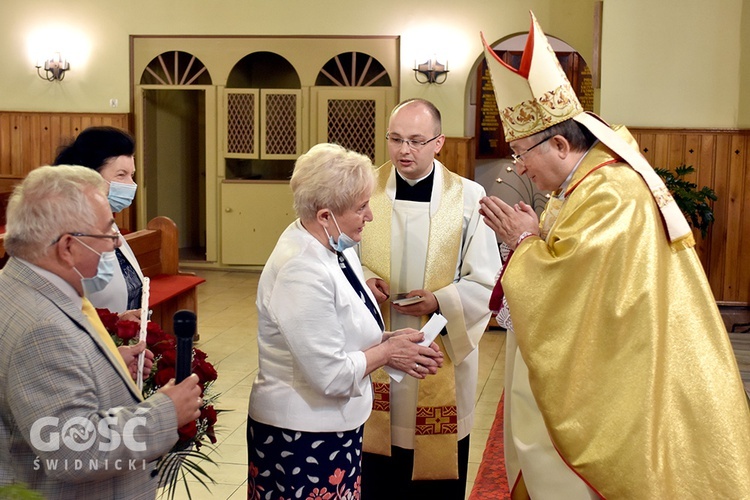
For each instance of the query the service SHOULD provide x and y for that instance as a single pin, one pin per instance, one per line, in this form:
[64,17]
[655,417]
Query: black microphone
[184,329]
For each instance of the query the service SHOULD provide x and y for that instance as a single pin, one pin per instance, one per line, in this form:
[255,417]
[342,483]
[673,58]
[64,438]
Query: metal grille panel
[351,123]
[241,123]
[281,124]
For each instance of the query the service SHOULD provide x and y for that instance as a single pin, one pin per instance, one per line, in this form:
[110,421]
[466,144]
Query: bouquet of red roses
[193,435]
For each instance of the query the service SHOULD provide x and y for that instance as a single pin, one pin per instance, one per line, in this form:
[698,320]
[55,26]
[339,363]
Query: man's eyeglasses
[114,236]
[517,157]
[413,144]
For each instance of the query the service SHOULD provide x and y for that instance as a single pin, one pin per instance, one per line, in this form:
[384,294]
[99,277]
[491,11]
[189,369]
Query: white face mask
[105,270]
[344,241]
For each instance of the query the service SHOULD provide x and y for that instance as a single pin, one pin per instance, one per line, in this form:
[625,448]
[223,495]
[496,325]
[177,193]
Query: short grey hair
[578,136]
[329,176]
[49,202]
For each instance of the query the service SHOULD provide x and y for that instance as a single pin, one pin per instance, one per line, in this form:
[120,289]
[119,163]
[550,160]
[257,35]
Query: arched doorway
[172,98]
[494,169]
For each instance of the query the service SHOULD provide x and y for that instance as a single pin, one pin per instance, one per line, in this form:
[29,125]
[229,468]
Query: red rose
[164,375]
[211,435]
[109,319]
[154,334]
[205,371]
[199,355]
[164,346]
[127,330]
[168,358]
[209,413]
[188,431]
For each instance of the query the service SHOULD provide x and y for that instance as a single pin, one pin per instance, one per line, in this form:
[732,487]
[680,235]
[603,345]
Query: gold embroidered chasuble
[628,357]
[435,446]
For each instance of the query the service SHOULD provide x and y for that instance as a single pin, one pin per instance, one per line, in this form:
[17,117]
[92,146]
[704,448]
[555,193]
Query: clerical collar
[560,193]
[415,190]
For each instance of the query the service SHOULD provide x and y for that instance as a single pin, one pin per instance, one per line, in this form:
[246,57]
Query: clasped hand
[508,222]
[408,356]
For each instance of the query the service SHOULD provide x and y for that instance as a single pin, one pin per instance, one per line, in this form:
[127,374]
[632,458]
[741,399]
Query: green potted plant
[693,202]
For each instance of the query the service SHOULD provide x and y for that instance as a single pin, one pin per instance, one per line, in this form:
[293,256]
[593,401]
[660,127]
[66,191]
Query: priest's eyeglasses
[413,144]
[517,158]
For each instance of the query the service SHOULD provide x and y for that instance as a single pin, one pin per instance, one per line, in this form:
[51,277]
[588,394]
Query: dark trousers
[389,478]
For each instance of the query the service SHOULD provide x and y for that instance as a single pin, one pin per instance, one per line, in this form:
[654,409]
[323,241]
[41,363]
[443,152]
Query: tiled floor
[227,323]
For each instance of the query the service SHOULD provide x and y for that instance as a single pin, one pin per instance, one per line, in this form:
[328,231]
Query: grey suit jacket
[71,426]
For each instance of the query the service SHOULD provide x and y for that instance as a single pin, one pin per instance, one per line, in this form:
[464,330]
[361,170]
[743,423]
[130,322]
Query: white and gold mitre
[538,95]
[535,96]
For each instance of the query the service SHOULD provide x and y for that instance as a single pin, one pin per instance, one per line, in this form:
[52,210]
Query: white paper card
[431,330]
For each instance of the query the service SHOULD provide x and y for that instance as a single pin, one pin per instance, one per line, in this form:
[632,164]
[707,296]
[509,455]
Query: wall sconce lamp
[54,68]
[431,71]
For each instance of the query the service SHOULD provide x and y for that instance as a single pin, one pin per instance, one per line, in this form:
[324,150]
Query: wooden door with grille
[354,117]
[262,124]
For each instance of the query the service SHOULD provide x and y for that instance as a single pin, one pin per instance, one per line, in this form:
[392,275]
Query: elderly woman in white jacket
[320,334]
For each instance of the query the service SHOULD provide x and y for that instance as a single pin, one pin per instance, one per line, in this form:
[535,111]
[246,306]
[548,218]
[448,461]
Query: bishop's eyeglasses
[517,158]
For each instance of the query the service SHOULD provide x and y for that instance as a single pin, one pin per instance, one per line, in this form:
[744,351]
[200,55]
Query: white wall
[665,63]
[672,63]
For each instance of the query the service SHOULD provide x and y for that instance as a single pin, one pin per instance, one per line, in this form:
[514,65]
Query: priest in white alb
[427,239]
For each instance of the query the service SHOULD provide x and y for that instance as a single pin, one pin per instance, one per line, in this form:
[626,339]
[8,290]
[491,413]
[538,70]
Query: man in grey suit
[72,422]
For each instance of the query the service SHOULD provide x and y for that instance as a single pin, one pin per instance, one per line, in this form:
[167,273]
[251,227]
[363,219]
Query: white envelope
[431,330]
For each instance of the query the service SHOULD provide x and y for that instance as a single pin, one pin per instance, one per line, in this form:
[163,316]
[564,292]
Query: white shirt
[312,330]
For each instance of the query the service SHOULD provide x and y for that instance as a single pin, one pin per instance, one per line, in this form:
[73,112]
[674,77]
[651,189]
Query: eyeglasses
[517,157]
[413,144]
[114,236]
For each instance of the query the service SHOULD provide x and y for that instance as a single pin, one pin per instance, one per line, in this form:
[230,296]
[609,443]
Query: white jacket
[312,330]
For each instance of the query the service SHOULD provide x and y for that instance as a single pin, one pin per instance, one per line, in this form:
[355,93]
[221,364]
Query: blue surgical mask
[344,241]
[105,270]
[120,195]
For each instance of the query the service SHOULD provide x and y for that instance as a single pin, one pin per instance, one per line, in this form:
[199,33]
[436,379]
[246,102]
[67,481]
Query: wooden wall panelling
[744,243]
[458,156]
[706,173]
[661,151]
[734,195]
[676,151]
[647,144]
[720,184]
[28,140]
[720,158]
[691,158]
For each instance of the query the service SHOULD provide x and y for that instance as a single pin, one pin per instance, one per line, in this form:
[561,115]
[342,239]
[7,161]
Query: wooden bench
[156,249]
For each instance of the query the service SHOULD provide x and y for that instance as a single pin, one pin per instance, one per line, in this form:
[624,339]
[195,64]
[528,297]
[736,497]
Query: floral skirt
[288,464]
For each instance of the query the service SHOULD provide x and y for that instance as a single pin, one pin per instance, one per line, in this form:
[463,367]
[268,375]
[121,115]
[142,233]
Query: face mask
[344,241]
[105,270]
[120,195]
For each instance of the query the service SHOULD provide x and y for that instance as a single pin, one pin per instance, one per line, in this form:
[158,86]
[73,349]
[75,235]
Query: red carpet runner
[491,482]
